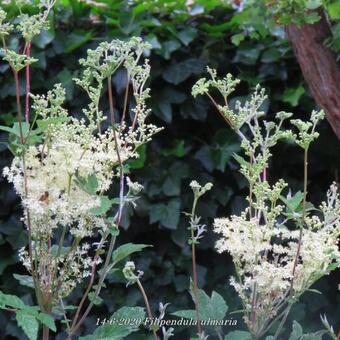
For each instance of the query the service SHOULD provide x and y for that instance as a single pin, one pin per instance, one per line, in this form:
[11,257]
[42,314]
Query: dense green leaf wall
[195,144]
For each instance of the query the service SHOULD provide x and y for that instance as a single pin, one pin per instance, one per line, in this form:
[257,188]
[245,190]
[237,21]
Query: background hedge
[195,144]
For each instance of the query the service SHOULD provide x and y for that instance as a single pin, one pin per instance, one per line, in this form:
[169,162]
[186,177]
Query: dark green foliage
[195,144]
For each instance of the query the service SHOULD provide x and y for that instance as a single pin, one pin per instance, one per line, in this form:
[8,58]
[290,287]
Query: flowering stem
[305,178]
[28,81]
[17,93]
[125,104]
[76,324]
[194,270]
[147,305]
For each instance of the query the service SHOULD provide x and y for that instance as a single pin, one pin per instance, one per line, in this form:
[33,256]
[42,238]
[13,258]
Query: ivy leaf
[28,323]
[187,35]
[168,47]
[166,214]
[293,95]
[236,39]
[334,10]
[125,250]
[177,150]
[75,40]
[177,73]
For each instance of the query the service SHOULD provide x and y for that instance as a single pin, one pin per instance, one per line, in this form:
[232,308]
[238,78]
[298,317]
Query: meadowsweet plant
[280,244]
[62,169]
[154,323]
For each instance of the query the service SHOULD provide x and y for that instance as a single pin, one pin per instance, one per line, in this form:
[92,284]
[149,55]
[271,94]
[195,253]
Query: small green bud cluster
[16,60]
[198,190]
[129,273]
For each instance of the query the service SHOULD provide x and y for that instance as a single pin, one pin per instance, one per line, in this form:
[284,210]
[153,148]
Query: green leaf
[294,202]
[125,250]
[213,307]
[293,95]
[44,38]
[24,280]
[43,124]
[11,301]
[28,323]
[297,331]
[238,335]
[177,73]
[105,205]
[177,150]
[236,39]
[187,35]
[168,47]
[89,184]
[47,320]
[166,214]
[187,314]
[97,301]
[140,161]
[15,129]
[312,18]
[313,4]
[75,40]
[116,331]
[334,10]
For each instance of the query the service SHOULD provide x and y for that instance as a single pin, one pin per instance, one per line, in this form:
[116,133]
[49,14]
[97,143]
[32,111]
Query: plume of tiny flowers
[62,178]
[278,254]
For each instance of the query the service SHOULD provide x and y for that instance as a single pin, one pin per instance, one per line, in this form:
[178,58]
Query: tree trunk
[319,67]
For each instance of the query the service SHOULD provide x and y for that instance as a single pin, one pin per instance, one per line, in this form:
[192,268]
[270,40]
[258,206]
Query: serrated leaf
[45,123]
[28,323]
[11,301]
[89,184]
[105,205]
[213,307]
[47,320]
[125,250]
[115,331]
[186,313]
[97,301]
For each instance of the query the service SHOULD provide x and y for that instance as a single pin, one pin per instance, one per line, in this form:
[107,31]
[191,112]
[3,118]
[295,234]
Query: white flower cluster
[264,255]
[278,251]
[63,177]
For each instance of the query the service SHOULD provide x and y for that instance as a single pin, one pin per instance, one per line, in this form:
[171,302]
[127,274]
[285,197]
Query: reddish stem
[194,272]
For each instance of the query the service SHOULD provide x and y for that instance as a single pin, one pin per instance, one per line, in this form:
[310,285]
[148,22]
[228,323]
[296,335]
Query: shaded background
[195,144]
